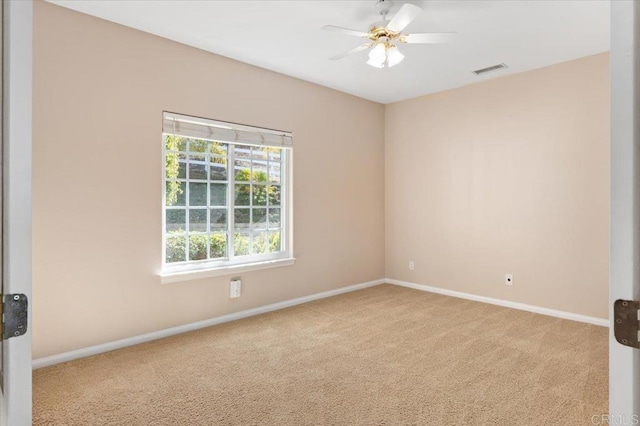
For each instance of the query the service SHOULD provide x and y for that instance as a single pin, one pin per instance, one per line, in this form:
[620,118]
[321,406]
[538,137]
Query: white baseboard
[119,344]
[515,305]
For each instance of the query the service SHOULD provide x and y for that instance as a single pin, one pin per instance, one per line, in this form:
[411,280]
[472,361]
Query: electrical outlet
[235,288]
[412,265]
[508,279]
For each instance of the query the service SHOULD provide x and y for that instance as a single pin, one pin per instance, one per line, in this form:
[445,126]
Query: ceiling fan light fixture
[375,64]
[394,56]
[378,53]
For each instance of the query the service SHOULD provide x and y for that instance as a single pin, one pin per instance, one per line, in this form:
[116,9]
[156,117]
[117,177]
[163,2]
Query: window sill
[173,277]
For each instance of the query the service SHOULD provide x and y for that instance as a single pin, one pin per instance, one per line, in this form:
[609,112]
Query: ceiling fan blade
[429,38]
[345,31]
[355,50]
[407,13]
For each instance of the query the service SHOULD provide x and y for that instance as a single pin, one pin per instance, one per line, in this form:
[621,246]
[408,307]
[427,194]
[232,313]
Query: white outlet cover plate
[508,279]
[235,288]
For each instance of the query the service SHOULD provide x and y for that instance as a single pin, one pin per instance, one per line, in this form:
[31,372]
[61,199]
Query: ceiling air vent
[490,69]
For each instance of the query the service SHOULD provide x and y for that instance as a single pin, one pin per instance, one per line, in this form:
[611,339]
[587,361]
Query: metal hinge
[626,322]
[14,315]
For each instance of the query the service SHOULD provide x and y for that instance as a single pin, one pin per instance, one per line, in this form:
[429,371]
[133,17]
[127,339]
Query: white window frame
[196,269]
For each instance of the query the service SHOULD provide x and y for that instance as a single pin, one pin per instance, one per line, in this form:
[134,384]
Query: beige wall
[99,93]
[506,176]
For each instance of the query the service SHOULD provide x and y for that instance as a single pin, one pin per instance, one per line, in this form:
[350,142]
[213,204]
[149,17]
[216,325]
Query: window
[226,191]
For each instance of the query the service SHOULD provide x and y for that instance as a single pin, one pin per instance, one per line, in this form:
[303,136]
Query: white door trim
[624,269]
[18,25]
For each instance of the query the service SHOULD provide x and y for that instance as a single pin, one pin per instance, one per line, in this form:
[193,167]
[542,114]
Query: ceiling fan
[384,35]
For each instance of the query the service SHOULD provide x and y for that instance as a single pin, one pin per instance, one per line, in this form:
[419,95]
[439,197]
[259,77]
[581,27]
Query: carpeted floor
[381,356]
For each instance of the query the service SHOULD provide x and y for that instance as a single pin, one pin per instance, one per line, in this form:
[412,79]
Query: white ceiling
[285,36]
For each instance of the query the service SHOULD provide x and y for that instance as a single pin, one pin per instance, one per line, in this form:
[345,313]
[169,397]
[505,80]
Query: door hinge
[14,315]
[626,322]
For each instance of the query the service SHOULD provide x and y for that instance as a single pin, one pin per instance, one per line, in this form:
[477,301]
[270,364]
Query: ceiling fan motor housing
[379,32]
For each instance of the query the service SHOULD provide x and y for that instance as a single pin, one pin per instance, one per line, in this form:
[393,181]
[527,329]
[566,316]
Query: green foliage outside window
[172,168]
[176,241]
[260,191]
[173,144]
[177,245]
[264,244]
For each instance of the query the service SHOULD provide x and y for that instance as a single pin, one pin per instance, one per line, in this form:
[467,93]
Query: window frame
[194,269]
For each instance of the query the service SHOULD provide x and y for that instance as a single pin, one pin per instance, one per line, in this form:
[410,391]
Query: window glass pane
[274,218]
[259,195]
[259,171]
[274,241]
[243,194]
[218,196]
[259,219]
[197,220]
[197,145]
[197,167]
[242,166]
[259,156]
[275,155]
[274,172]
[176,248]
[242,151]
[218,220]
[259,153]
[259,244]
[241,244]
[175,193]
[176,220]
[275,161]
[218,149]
[174,165]
[218,245]
[175,143]
[182,166]
[242,170]
[274,195]
[218,168]
[242,218]
[197,247]
[197,194]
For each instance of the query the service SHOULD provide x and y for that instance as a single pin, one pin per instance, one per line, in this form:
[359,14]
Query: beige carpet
[381,356]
